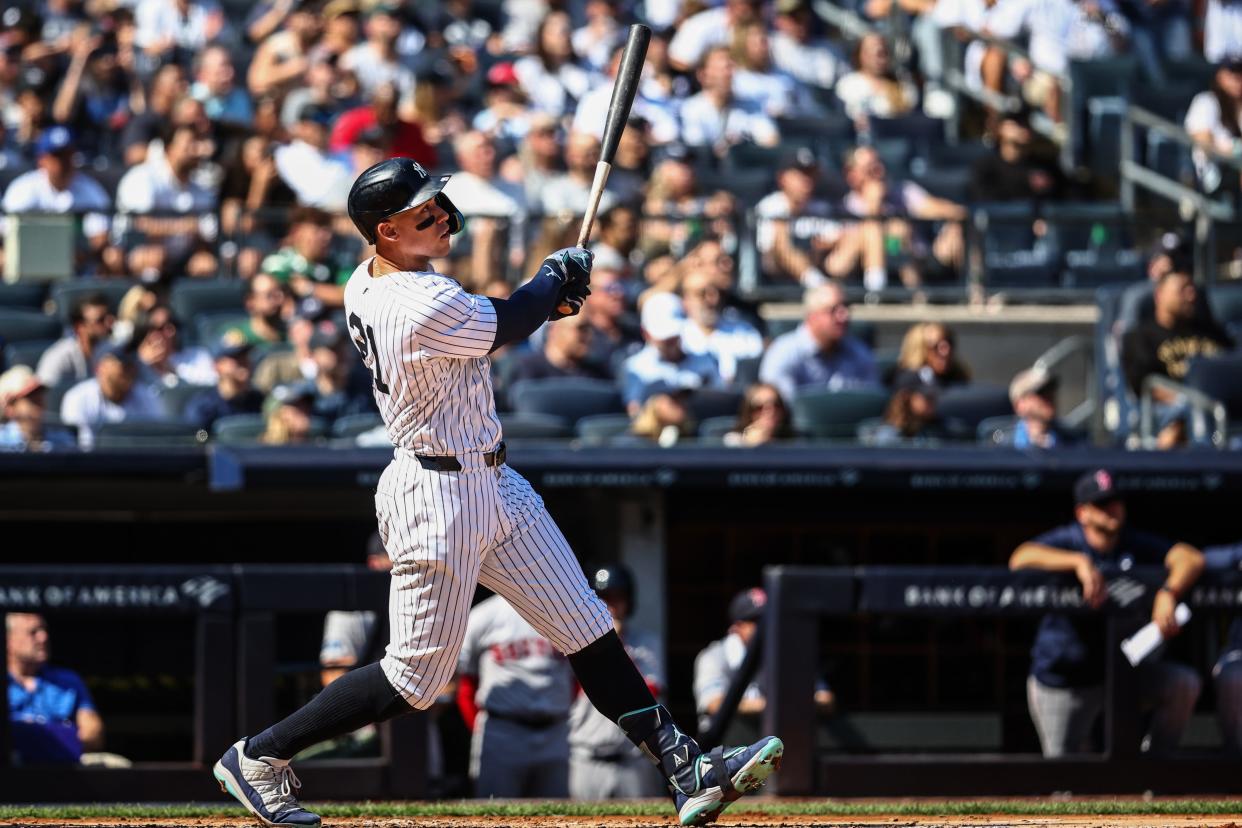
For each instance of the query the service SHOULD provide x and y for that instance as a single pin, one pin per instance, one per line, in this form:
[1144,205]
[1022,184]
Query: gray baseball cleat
[265,786]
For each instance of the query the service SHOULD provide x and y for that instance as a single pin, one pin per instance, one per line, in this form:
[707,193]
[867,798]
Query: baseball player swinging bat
[623,92]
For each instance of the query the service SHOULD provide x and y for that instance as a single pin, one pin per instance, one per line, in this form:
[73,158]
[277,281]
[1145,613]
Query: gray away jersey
[425,340]
[520,672]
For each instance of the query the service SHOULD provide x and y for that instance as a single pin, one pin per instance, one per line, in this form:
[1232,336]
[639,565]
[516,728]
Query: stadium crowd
[206,149]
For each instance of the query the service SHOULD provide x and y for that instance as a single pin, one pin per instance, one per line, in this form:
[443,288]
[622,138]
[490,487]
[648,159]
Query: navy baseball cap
[1095,487]
[125,352]
[53,140]
[748,605]
[233,344]
[294,393]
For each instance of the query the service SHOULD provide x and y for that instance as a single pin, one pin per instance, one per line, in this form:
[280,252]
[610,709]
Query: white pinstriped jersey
[425,340]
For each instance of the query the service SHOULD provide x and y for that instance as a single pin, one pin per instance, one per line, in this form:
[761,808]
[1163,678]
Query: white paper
[1144,642]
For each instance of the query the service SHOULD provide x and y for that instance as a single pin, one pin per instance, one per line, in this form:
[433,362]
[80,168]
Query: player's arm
[1042,555]
[1185,564]
[90,728]
[563,277]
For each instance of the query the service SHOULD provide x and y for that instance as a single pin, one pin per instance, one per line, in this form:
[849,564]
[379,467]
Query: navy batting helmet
[393,186]
[614,578]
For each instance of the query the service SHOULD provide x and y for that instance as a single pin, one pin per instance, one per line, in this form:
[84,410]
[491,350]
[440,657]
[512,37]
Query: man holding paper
[1065,689]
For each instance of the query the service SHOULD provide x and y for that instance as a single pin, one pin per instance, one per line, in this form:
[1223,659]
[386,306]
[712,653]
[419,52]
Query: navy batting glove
[571,265]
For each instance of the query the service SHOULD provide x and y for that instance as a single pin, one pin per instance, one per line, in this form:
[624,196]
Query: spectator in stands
[52,717]
[506,113]
[282,59]
[339,388]
[797,238]
[664,418]
[912,412]
[819,353]
[233,393]
[1170,251]
[295,365]
[763,418]
[165,363]
[539,154]
[708,29]
[757,78]
[214,84]
[97,92]
[569,192]
[375,61]
[1164,345]
[1159,34]
[929,351]
[323,84]
[24,409]
[113,396]
[717,664]
[615,331]
[252,186]
[496,210]
[796,50]
[57,186]
[307,263]
[306,167]
[265,304]
[167,87]
[172,30]
[652,103]
[1058,31]
[714,329]
[872,195]
[618,235]
[1065,689]
[1222,30]
[715,117]
[663,363]
[873,89]
[551,77]
[676,206]
[403,136]
[165,184]
[289,422]
[594,42]
[69,359]
[1033,394]
[1214,119]
[1012,173]
[1227,671]
[565,353]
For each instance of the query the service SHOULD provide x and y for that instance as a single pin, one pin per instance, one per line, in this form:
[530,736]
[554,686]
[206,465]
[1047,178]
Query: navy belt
[447,462]
[535,721]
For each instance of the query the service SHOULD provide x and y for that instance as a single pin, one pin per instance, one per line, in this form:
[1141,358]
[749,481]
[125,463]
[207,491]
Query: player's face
[421,231]
[1106,518]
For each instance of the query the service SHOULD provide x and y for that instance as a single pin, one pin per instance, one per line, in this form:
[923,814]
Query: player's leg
[534,569]
[1169,690]
[1063,716]
[549,773]
[1227,675]
[498,758]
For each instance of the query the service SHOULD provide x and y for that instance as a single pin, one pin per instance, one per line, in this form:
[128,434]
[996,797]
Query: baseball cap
[232,344]
[327,335]
[1031,381]
[675,152]
[124,352]
[1095,487]
[1231,62]
[310,308]
[18,382]
[663,316]
[607,258]
[502,74]
[800,158]
[316,114]
[54,139]
[294,392]
[748,605]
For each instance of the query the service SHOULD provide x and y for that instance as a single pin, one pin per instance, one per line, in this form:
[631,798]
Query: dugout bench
[234,609]
[799,597]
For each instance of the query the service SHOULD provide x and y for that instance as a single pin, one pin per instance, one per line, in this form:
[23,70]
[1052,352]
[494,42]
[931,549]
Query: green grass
[776,807]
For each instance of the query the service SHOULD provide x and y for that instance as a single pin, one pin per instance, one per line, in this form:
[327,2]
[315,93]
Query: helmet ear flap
[456,221]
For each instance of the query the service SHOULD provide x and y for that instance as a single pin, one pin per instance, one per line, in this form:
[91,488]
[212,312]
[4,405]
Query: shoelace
[288,782]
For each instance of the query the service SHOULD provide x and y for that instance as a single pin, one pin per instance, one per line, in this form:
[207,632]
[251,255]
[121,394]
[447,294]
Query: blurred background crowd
[954,152]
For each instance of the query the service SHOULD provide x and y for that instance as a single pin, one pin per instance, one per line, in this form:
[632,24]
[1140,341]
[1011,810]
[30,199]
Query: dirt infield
[732,819]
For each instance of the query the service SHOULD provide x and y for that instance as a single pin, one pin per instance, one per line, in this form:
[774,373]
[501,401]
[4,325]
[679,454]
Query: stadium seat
[57,393]
[1221,379]
[1226,303]
[600,428]
[25,325]
[26,353]
[972,404]
[65,294]
[715,428]
[954,156]
[177,397]
[128,435]
[714,402]
[29,295]
[827,415]
[996,431]
[239,429]
[534,427]
[571,399]
[351,425]
[1107,273]
[1082,226]
[209,327]
[952,183]
[191,297]
[921,132]
[747,372]
[1099,91]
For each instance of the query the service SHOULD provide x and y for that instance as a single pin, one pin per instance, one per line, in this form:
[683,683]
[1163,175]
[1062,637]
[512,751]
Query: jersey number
[365,334]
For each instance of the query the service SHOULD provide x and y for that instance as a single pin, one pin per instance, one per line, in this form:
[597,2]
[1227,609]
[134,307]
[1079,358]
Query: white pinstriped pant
[447,531]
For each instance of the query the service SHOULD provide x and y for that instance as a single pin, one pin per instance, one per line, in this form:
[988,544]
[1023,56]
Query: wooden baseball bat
[625,87]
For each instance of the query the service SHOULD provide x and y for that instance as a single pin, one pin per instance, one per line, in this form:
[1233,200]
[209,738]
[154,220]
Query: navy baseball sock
[358,698]
[609,678]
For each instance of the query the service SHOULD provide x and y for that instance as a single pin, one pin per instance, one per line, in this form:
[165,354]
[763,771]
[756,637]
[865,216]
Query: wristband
[1168,589]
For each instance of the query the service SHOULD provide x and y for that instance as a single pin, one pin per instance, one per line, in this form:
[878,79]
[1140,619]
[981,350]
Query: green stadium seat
[352,425]
[598,429]
[192,297]
[715,428]
[835,415]
[239,429]
[26,353]
[177,397]
[569,398]
[518,426]
[29,295]
[18,325]
[66,294]
[128,435]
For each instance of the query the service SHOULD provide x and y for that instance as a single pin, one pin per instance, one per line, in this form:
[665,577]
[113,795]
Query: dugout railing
[799,598]
[234,609]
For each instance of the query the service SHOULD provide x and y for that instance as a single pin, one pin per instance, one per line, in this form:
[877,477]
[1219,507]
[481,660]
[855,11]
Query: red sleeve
[467,687]
[408,141]
[349,126]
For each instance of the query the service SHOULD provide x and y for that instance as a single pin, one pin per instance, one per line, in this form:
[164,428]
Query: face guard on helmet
[394,186]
